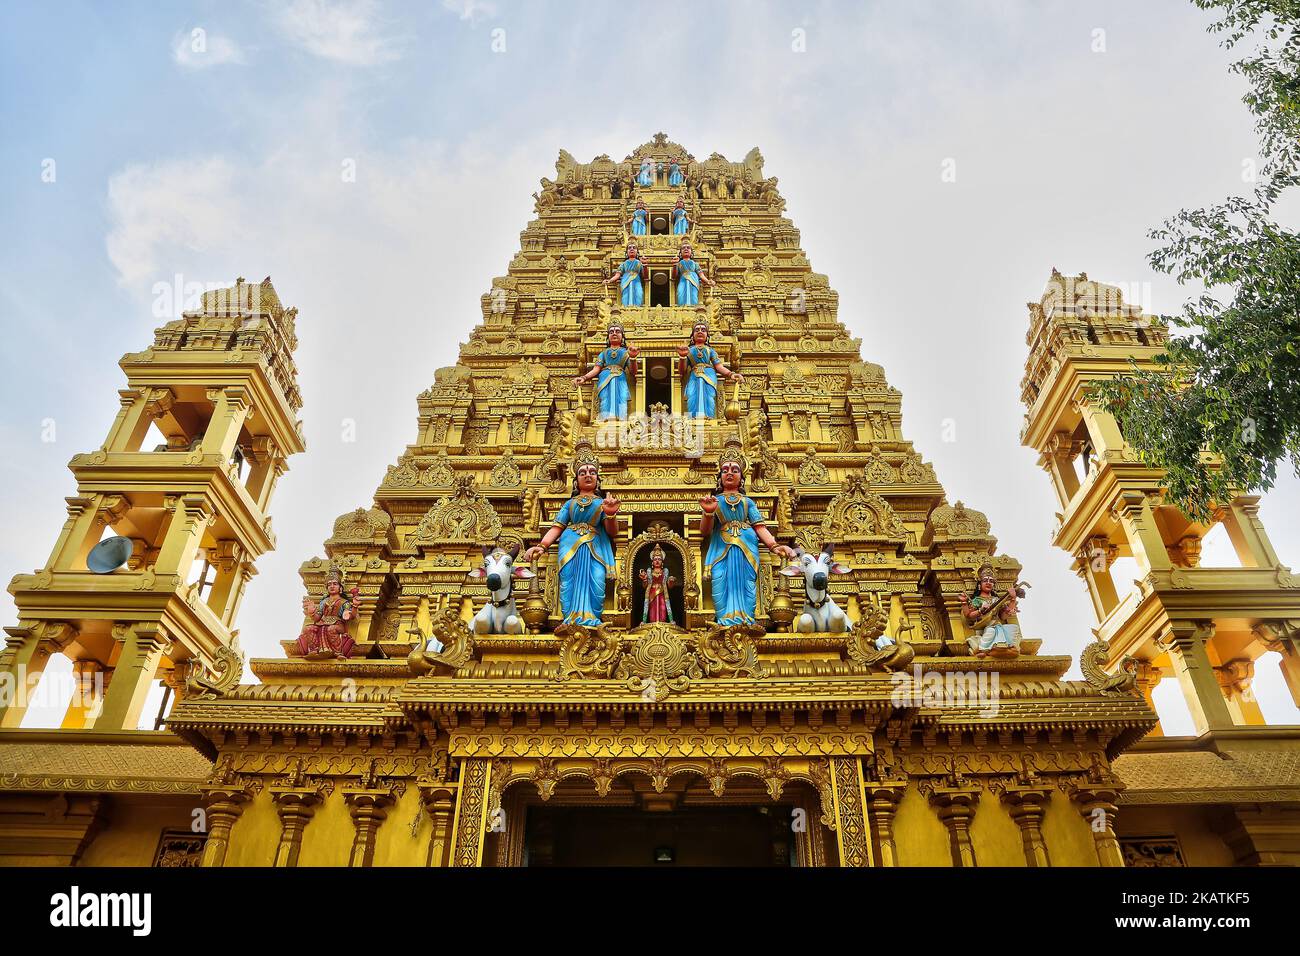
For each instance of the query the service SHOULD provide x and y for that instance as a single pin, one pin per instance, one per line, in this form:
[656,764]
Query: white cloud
[198,49]
[160,206]
[470,10]
[348,31]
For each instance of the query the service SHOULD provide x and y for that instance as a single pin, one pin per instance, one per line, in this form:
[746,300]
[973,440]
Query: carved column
[222,807]
[86,696]
[955,806]
[28,650]
[884,799]
[439,802]
[1247,534]
[1148,677]
[1027,806]
[296,807]
[850,812]
[1136,515]
[1185,643]
[1096,801]
[369,808]
[471,813]
[141,649]
[1234,679]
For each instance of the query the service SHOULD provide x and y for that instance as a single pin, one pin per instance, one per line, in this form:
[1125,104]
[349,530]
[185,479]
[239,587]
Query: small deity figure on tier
[326,636]
[615,369]
[675,177]
[733,526]
[699,367]
[688,274]
[681,222]
[640,218]
[658,609]
[586,527]
[646,175]
[630,285]
[988,612]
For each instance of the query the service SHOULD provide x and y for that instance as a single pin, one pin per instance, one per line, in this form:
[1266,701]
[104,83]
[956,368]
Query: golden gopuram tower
[457,699]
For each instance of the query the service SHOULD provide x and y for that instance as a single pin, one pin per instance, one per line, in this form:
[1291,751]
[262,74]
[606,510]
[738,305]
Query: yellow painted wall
[256,834]
[995,836]
[133,829]
[394,845]
[1200,845]
[1067,835]
[919,836]
[327,839]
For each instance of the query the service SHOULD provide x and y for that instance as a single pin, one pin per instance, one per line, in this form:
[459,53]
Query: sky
[151,146]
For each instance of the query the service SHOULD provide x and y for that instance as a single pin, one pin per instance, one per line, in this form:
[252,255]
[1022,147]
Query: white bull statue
[820,612]
[499,615]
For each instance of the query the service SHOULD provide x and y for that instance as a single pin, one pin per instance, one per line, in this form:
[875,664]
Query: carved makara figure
[630,283]
[326,634]
[988,613]
[657,607]
[733,526]
[499,615]
[688,274]
[699,369]
[615,371]
[585,527]
[640,219]
[820,612]
[681,221]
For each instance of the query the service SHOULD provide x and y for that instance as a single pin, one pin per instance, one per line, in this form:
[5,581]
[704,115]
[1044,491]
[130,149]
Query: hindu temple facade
[660,580]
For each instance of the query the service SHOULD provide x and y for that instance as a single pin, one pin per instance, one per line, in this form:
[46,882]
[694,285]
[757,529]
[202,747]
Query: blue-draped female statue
[688,274]
[681,221]
[586,527]
[734,528]
[646,175]
[640,219]
[614,370]
[675,177]
[699,367]
[630,285]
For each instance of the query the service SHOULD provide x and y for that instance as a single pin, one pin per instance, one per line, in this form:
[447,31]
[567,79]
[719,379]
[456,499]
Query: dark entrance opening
[688,836]
[658,383]
[659,288]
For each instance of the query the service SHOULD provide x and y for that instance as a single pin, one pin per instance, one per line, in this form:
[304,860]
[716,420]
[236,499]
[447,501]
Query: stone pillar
[1139,521]
[191,514]
[851,829]
[1235,679]
[28,649]
[1097,804]
[1247,534]
[231,406]
[222,806]
[369,808]
[140,648]
[471,813]
[1148,678]
[1027,806]
[1185,643]
[439,802]
[956,808]
[87,695]
[884,799]
[1284,637]
[1058,460]
[1093,561]
[296,807]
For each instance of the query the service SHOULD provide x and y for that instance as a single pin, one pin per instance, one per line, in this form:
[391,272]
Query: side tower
[1207,626]
[221,388]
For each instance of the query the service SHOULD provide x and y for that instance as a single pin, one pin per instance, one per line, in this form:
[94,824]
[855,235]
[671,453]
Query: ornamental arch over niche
[857,513]
[661,534]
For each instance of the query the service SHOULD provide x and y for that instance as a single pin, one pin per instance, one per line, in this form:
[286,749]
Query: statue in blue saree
[631,286]
[734,528]
[681,222]
[585,527]
[699,367]
[640,219]
[614,371]
[688,274]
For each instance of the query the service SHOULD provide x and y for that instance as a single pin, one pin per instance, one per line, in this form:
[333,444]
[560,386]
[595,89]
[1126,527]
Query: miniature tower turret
[1206,626]
[221,387]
